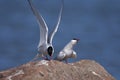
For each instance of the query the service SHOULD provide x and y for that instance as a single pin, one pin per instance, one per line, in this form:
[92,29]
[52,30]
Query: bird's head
[75,40]
[50,50]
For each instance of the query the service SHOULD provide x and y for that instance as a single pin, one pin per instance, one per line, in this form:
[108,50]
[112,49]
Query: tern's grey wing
[51,35]
[42,24]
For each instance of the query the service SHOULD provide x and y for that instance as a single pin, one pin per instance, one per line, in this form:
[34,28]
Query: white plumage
[67,51]
[45,46]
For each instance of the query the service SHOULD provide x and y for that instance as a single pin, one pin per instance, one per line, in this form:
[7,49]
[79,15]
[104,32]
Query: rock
[55,70]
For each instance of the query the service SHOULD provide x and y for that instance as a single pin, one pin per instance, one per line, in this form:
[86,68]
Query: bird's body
[67,51]
[45,46]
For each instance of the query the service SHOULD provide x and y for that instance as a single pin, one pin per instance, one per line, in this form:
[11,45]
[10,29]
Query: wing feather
[50,37]
[42,24]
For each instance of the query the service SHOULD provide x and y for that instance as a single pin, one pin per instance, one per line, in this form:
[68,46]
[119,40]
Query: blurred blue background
[95,22]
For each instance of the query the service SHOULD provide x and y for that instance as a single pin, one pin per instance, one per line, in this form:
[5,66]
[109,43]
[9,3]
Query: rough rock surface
[55,70]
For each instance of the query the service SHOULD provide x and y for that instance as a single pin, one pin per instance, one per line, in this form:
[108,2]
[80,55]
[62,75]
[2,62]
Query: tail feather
[36,57]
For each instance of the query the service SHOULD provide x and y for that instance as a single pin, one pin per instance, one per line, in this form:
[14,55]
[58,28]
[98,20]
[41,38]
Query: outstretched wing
[42,25]
[50,37]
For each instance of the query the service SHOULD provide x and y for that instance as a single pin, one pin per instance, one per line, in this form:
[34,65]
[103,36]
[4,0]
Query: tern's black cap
[76,39]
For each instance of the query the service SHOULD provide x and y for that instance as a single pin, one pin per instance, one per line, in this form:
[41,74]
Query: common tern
[45,46]
[67,51]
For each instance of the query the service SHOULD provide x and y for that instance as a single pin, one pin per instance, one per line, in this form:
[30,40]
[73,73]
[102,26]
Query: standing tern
[67,51]
[45,46]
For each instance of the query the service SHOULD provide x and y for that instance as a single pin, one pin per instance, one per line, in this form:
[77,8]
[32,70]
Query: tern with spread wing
[45,46]
[68,51]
